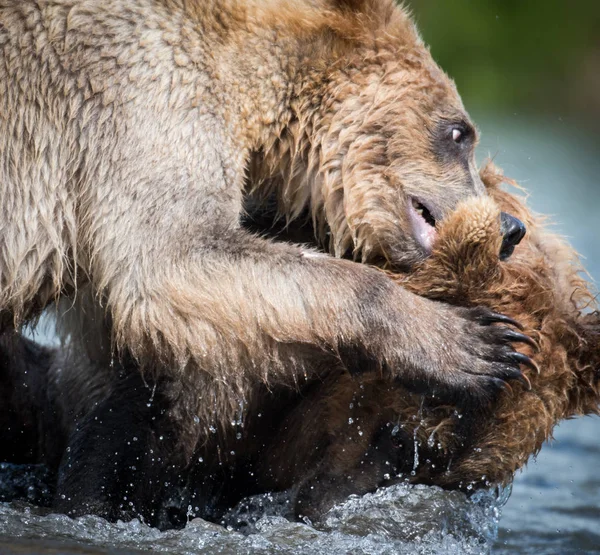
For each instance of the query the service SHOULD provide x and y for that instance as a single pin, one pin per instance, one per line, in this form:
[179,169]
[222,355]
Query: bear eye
[453,138]
[461,133]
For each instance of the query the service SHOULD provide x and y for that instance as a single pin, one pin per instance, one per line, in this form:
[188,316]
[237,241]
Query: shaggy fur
[371,434]
[131,128]
[339,435]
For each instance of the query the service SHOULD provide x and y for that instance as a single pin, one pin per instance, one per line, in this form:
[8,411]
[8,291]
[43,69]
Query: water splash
[398,519]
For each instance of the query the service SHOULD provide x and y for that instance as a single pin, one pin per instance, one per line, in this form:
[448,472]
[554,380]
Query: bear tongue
[424,232]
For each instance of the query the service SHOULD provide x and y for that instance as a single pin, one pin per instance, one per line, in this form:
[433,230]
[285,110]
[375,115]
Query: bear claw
[512,336]
[520,358]
[489,317]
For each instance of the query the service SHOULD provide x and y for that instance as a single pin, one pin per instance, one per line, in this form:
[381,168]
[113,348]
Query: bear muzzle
[513,230]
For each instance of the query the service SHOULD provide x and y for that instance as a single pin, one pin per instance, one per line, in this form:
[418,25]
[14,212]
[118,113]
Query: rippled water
[398,519]
[555,504]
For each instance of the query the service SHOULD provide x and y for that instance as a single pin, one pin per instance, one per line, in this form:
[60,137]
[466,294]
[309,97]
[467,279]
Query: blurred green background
[529,74]
[532,56]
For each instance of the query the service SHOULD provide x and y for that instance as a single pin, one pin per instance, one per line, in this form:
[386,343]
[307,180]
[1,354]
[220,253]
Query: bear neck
[284,70]
[299,157]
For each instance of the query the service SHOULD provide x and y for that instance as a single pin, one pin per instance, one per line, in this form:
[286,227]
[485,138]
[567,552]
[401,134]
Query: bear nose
[513,230]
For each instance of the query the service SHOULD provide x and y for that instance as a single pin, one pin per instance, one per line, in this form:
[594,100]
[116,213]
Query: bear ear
[347,22]
[369,16]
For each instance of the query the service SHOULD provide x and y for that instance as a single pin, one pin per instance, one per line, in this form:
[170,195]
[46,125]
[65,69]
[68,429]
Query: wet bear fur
[103,427]
[133,130]
[342,434]
[370,434]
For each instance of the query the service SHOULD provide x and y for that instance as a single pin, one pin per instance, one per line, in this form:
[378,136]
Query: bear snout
[513,230]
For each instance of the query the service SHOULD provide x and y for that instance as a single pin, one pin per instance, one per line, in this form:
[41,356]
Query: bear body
[134,129]
[132,125]
[370,434]
[343,435]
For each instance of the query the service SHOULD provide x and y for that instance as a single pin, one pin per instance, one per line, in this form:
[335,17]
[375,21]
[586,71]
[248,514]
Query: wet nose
[513,230]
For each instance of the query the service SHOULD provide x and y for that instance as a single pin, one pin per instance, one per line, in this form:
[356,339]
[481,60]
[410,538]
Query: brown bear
[338,435]
[133,129]
[350,436]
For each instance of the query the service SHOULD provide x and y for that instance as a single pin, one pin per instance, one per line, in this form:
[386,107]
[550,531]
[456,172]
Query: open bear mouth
[423,223]
[424,212]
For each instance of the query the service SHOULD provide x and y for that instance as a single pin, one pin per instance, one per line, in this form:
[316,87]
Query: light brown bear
[348,437]
[133,130]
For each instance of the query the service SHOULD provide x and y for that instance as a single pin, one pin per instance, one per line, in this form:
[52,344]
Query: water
[555,503]
[399,519]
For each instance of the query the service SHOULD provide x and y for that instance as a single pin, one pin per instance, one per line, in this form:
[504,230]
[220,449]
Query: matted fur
[131,130]
[340,435]
[542,286]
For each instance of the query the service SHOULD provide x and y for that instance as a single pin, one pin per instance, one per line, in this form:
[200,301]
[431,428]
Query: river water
[555,503]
